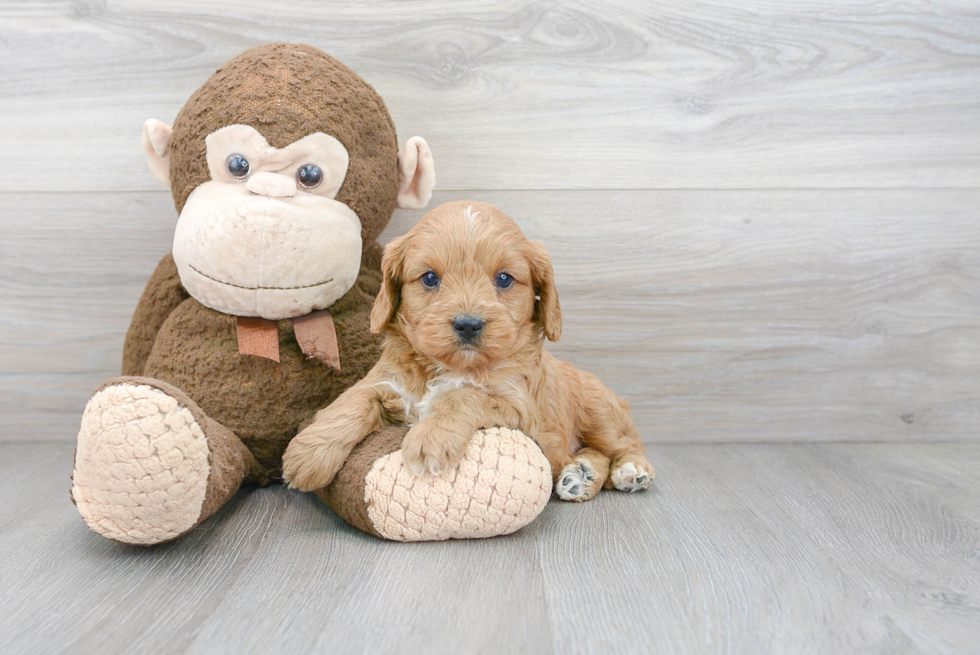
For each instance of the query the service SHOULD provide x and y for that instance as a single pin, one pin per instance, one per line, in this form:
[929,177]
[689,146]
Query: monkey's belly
[261,401]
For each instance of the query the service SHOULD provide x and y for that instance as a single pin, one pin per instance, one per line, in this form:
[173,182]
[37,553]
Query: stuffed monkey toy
[284,168]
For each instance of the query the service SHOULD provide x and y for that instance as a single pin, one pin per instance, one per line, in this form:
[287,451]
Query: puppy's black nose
[468,327]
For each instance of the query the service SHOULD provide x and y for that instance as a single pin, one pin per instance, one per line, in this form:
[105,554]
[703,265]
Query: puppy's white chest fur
[416,409]
[436,389]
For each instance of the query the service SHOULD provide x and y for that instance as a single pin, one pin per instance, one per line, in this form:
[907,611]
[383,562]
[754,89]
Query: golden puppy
[467,302]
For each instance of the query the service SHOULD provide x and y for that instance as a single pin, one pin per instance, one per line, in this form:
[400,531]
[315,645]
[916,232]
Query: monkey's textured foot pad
[141,466]
[502,484]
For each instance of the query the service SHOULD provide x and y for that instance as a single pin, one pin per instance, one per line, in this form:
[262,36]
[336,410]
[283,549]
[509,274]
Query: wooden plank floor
[782,548]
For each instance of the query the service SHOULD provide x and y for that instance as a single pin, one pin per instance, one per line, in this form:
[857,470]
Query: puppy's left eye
[504,281]
[430,280]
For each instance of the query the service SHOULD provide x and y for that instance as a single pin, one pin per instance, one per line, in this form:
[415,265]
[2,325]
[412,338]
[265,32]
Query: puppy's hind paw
[632,476]
[577,482]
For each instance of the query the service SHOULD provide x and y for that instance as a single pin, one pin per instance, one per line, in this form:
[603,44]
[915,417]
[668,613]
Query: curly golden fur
[447,379]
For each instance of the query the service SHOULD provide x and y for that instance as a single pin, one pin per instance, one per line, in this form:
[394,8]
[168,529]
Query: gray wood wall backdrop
[764,215]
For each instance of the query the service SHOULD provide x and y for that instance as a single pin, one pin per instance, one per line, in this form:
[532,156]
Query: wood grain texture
[606,94]
[788,548]
[720,315]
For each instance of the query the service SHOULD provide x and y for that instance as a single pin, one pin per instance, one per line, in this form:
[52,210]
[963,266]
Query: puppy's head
[466,288]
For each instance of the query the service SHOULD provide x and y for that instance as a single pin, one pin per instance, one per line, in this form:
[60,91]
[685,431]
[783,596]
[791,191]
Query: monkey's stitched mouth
[239,286]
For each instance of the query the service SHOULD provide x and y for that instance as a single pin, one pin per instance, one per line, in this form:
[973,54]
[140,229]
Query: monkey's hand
[434,447]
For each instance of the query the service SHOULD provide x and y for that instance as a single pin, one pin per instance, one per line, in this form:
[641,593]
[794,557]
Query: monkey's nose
[468,327]
[273,185]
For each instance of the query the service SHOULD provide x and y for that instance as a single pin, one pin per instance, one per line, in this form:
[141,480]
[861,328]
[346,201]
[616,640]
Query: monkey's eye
[238,166]
[309,175]
[504,280]
[430,280]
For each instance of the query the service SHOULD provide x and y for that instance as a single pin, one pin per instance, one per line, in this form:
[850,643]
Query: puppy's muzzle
[468,327]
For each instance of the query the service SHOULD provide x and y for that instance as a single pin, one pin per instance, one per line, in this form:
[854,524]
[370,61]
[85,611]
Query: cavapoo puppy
[466,303]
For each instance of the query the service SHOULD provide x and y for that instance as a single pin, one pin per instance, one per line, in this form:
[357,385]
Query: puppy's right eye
[430,280]
[504,280]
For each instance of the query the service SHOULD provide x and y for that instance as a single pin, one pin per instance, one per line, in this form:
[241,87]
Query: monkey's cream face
[265,236]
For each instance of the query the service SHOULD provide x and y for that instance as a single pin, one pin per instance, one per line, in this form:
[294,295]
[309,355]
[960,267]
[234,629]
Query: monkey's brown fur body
[176,339]
[285,91]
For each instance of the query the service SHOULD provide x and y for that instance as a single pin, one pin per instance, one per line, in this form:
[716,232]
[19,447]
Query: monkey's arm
[160,297]
[314,456]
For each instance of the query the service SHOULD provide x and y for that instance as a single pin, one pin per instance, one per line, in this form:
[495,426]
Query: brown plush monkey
[284,168]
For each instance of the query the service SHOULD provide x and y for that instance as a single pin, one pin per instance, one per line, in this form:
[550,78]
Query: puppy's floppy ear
[547,311]
[386,303]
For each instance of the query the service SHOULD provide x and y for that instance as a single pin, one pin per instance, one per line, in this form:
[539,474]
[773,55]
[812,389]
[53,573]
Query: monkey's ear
[416,174]
[385,305]
[547,310]
[156,145]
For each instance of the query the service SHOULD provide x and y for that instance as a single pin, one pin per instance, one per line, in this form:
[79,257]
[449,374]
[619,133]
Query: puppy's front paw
[578,482]
[632,475]
[311,461]
[430,447]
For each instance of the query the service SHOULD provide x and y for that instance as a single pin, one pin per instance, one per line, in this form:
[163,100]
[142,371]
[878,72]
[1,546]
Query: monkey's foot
[501,485]
[144,470]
